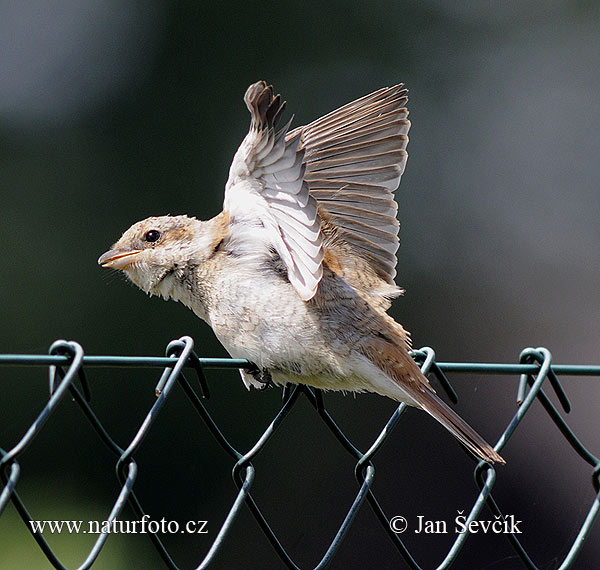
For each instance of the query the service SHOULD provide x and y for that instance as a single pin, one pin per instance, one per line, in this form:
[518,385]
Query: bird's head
[150,252]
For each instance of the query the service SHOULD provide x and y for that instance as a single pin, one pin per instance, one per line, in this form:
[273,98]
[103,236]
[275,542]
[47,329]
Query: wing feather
[266,189]
[355,157]
[345,166]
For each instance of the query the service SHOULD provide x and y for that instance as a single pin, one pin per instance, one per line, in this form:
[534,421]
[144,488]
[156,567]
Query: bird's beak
[117,258]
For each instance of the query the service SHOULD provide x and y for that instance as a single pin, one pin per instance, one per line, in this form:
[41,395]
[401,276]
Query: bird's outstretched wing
[266,187]
[336,176]
[354,159]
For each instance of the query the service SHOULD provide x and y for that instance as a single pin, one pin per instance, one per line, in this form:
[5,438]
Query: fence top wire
[236,363]
[67,361]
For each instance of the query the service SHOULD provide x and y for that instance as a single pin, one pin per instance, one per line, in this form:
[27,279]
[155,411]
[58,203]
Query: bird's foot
[262,376]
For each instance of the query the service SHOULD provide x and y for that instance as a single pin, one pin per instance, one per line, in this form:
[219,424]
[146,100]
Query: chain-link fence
[67,364]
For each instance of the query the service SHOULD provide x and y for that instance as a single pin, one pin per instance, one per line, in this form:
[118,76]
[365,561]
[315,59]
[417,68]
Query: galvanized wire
[67,364]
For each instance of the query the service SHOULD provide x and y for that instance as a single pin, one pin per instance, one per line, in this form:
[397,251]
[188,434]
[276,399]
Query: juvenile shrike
[297,273]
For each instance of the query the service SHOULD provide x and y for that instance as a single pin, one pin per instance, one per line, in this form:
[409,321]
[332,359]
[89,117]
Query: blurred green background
[111,111]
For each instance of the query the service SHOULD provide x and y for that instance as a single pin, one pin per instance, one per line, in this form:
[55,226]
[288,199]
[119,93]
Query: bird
[296,274]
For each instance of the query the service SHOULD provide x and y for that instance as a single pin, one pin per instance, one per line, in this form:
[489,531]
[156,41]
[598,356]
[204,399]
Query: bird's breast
[256,314]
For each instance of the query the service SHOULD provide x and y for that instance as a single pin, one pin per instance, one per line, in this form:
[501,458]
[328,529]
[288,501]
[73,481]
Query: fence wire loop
[542,356]
[429,365]
[66,362]
[69,350]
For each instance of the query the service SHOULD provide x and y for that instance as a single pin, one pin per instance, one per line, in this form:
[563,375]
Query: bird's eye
[152,236]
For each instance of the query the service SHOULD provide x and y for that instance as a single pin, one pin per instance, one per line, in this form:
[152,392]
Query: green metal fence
[68,366]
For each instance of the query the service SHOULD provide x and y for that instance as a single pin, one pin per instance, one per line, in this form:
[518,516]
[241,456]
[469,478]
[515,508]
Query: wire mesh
[68,366]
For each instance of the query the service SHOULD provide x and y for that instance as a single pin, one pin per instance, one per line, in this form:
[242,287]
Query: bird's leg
[263,376]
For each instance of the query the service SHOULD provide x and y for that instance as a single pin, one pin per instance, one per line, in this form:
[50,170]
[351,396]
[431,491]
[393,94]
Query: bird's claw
[262,376]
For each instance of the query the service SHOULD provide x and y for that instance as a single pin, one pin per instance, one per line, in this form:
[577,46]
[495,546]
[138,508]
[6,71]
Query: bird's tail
[388,353]
[458,427]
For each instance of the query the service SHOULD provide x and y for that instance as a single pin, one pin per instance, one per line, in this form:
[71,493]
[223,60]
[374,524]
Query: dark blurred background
[114,111]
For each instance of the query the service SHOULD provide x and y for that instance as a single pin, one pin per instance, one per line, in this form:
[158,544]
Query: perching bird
[297,273]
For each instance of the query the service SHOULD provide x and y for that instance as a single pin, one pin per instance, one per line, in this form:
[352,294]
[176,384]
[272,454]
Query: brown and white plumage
[297,272]
[355,157]
[266,185]
[348,163]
